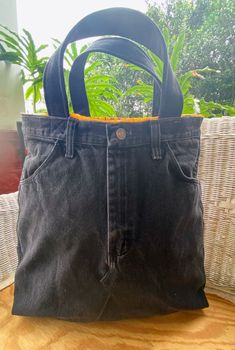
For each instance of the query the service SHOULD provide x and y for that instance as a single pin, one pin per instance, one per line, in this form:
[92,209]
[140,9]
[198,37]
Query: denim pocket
[184,155]
[39,155]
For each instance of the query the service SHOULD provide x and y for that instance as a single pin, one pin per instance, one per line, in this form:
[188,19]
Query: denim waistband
[95,132]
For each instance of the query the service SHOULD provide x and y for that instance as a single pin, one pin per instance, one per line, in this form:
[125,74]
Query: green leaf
[83,48]
[37,80]
[37,94]
[185,82]
[208,70]
[16,40]
[189,105]
[9,39]
[2,49]
[158,64]
[100,77]
[177,50]
[23,78]
[142,90]
[29,39]
[213,109]
[166,36]
[41,47]
[104,86]
[105,108]
[57,41]
[10,46]
[9,56]
[29,91]
[74,49]
[68,57]
[134,67]
[148,99]
[92,67]
[109,95]
[31,50]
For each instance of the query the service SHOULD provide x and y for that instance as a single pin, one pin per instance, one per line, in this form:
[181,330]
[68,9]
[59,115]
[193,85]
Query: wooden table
[209,329]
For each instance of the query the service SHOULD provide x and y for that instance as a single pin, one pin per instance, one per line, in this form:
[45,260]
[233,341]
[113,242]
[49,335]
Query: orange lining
[106,119]
[112,119]
[125,120]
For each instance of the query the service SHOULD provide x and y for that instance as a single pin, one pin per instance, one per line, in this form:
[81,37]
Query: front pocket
[184,159]
[39,155]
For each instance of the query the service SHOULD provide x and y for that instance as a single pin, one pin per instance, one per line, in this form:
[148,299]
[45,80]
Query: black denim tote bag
[110,222]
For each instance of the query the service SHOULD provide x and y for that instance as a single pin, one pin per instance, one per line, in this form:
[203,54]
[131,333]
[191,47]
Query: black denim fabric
[111,219]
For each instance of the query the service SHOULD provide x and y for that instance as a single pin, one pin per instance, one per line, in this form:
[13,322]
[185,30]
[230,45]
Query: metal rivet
[121,133]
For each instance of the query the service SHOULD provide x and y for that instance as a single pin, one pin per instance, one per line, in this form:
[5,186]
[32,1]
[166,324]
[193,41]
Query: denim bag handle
[122,22]
[118,47]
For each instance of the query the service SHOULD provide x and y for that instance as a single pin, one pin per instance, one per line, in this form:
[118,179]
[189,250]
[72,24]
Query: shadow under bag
[110,219]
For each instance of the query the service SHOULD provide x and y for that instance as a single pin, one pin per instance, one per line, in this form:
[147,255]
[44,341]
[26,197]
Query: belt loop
[155,139]
[70,131]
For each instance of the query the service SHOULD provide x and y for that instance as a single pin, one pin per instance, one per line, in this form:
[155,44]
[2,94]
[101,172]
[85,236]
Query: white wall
[46,19]
[11,93]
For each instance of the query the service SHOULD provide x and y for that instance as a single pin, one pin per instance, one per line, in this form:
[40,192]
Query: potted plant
[20,50]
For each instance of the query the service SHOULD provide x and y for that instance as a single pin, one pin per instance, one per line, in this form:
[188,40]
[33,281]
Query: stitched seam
[41,167]
[178,167]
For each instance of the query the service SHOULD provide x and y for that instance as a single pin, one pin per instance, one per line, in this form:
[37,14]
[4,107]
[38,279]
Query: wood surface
[209,329]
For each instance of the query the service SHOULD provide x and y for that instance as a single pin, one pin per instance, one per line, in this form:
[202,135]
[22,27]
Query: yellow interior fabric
[106,119]
[116,119]
[112,119]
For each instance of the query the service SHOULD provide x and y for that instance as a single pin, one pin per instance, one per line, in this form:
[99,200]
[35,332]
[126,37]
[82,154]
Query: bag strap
[118,47]
[122,22]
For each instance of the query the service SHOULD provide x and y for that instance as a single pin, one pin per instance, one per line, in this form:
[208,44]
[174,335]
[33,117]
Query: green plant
[210,35]
[22,51]
[100,88]
[109,90]
[125,76]
[191,103]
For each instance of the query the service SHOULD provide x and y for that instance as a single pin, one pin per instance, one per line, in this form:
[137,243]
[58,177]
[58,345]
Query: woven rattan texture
[217,176]
[8,242]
